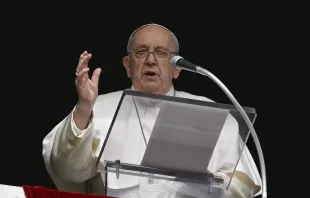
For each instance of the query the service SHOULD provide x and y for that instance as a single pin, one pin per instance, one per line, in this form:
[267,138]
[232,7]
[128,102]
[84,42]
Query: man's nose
[150,59]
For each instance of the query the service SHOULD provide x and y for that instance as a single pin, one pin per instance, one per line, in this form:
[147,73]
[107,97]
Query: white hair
[174,38]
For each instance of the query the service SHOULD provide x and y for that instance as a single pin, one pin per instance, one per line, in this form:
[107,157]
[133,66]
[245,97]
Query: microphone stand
[205,72]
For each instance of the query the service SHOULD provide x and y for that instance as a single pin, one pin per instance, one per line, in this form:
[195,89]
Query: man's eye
[141,51]
[161,52]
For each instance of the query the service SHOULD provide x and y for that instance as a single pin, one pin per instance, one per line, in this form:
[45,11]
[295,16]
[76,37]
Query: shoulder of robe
[231,120]
[109,96]
[107,103]
[184,94]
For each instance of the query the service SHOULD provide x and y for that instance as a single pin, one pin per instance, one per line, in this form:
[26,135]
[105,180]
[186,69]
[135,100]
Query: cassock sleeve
[245,180]
[69,152]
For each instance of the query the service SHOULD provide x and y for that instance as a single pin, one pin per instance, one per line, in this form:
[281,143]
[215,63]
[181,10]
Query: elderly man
[70,150]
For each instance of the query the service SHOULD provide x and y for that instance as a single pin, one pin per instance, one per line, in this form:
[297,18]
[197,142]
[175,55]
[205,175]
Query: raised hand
[87,89]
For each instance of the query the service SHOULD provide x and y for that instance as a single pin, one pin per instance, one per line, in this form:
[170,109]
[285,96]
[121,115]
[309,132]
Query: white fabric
[7,191]
[70,153]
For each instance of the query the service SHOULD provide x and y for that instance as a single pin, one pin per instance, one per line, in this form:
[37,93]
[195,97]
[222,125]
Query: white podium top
[7,191]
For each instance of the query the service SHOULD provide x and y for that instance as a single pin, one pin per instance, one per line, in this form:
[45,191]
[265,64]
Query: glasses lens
[160,54]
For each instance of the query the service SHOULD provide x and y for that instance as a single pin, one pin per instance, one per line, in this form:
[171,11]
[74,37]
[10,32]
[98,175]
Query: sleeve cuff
[245,179]
[76,131]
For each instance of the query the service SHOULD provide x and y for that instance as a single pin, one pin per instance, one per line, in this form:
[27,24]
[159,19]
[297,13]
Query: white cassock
[70,154]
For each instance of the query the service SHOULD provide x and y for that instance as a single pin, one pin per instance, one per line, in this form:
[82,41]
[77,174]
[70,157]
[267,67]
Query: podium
[170,146]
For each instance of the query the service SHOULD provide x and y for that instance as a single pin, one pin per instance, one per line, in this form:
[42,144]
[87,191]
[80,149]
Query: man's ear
[126,65]
[176,73]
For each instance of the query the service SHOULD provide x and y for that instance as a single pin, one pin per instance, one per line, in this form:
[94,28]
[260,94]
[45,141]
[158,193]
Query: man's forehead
[152,36]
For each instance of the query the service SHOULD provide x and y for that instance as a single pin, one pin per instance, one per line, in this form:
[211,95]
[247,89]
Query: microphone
[180,62]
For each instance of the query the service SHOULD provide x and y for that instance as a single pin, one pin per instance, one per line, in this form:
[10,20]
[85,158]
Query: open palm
[87,88]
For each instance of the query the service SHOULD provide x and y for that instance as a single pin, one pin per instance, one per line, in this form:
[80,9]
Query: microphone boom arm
[205,72]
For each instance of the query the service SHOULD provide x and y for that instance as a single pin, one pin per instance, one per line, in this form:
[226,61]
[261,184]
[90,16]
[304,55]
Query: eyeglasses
[160,55]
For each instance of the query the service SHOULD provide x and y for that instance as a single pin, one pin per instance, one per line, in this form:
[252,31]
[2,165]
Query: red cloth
[40,192]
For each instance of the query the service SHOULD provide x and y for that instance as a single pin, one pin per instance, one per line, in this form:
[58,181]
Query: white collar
[171,91]
[156,102]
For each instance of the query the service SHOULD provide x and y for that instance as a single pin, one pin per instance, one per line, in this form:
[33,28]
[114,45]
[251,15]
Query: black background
[243,43]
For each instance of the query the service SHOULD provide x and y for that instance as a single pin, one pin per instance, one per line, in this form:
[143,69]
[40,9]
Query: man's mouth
[149,73]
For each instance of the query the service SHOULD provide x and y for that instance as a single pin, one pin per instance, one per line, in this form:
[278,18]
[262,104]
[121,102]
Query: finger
[82,55]
[82,77]
[83,63]
[96,75]
[82,73]
[78,68]
[80,60]
[87,58]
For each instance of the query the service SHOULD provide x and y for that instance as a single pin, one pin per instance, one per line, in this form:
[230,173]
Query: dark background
[243,43]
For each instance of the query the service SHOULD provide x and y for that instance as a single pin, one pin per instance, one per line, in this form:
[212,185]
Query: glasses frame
[151,52]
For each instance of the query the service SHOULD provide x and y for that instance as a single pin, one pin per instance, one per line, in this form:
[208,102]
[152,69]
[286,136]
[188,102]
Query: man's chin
[151,86]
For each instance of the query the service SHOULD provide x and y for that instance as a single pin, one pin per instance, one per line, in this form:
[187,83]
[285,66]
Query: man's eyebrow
[141,46]
[145,46]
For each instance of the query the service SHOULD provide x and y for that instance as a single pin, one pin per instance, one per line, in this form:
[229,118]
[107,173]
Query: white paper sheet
[184,137]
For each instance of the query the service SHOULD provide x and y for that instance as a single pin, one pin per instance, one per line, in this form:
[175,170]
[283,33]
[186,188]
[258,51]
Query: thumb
[96,75]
